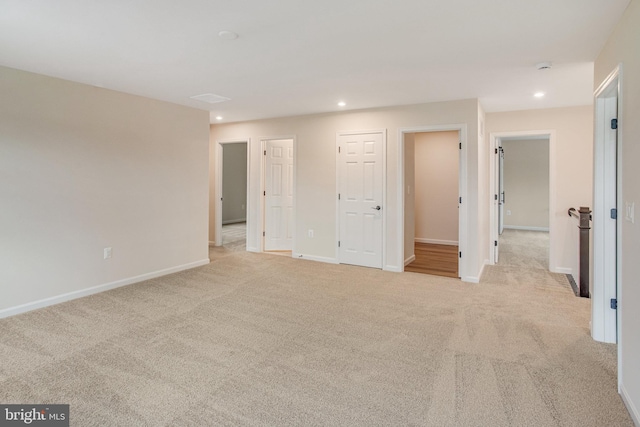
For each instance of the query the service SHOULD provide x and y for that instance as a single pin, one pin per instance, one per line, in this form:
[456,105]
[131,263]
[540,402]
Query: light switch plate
[629,211]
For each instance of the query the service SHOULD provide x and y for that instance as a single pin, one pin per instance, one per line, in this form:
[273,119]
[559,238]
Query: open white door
[501,192]
[605,211]
[278,193]
[360,194]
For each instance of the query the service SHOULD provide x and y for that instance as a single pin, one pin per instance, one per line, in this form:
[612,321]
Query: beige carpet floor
[258,340]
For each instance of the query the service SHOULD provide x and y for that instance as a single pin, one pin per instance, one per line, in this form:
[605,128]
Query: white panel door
[278,232]
[501,190]
[360,199]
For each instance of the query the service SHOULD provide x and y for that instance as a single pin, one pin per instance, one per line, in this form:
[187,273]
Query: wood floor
[439,260]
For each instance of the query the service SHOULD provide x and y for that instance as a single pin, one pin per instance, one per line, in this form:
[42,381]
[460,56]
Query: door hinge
[338,196]
[265,152]
[338,149]
[496,151]
[614,123]
[495,197]
[495,243]
[614,303]
[338,243]
[264,193]
[460,145]
[460,254]
[614,213]
[264,233]
[460,200]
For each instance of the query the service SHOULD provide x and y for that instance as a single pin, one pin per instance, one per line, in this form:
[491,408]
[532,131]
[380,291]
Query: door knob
[376,208]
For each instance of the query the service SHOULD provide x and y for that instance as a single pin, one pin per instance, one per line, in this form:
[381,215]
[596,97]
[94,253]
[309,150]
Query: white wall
[526,183]
[316,170]
[436,186]
[234,183]
[573,169]
[622,47]
[409,197]
[84,168]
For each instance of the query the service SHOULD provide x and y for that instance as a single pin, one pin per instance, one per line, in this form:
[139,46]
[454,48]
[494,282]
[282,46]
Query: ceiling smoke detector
[543,65]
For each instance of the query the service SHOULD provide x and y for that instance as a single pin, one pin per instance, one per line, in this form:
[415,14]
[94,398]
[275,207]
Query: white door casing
[360,197]
[501,195]
[606,230]
[278,220]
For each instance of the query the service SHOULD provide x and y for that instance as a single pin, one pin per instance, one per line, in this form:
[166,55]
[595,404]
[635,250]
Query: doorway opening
[522,176]
[435,202]
[231,195]
[433,196]
[523,201]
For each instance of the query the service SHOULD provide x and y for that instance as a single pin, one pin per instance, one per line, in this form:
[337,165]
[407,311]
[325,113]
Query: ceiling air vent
[210,98]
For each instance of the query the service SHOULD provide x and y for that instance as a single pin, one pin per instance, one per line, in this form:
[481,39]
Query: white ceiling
[297,57]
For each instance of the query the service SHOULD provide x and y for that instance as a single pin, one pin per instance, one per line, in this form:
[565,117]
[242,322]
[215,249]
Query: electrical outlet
[310,233]
[107,253]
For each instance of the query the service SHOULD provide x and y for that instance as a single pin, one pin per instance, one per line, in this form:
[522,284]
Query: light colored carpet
[234,236]
[253,339]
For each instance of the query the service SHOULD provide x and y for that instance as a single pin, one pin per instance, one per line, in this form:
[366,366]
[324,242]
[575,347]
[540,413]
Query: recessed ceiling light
[538,94]
[342,104]
[227,35]
[218,117]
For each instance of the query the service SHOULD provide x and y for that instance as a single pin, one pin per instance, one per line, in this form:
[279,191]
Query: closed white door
[278,232]
[360,198]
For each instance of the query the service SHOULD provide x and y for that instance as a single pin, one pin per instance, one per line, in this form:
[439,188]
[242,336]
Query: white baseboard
[633,411]
[562,270]
[476,279]
[436,241]
[315,258]
[409,260]
[393,268]
[46,302]
[526,228]
[234,221]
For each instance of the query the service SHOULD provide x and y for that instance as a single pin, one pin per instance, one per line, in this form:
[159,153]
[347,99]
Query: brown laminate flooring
[439,260]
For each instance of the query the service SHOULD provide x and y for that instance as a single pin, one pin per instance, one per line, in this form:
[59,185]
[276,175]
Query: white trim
[494,138]
[465,207]
[606,325]
[409,260]
[383,132]
[562,270]
[326,260]
[46,302]
[234,221]
[526,228]
[474,279]
[212,243]
[633,411]
[218,185]
[436,241]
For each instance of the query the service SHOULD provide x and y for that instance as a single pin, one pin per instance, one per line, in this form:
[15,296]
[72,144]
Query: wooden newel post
[584,226]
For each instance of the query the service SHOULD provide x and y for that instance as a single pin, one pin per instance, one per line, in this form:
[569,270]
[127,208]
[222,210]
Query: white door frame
[463,214]
[384,190]
[218,185]
[494,142]
[263,185]
[605,322]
